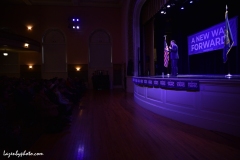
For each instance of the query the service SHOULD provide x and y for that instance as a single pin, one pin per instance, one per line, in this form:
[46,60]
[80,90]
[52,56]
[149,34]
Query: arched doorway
[100,57]
[54,60]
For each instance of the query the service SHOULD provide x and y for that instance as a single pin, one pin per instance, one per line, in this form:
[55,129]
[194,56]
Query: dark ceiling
[109,3]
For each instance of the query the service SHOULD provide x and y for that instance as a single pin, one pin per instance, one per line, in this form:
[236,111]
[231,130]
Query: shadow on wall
[130,68]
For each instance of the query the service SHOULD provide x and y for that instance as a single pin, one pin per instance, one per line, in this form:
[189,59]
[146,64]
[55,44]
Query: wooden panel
[215,106]
[180,98]
[9,68]
[34,72]
[155,94]
[82,74]
[12,58]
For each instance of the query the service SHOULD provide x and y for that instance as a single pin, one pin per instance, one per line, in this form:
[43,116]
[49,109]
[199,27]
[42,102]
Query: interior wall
[9,65]
[77,42]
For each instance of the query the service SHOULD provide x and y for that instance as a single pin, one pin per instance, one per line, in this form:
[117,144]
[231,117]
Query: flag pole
[229,74]
[227,42]
[166,56]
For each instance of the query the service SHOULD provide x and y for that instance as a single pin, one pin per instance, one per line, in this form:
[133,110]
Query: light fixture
[29,28]
[26,45]
[74,23]
[182,8]
[162,12]
[75,19]
[168,6]
[78,68]
[30,66]
[76,27]
[191,2]
[5,53]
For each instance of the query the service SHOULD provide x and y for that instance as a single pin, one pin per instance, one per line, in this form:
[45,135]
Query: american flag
[166,54]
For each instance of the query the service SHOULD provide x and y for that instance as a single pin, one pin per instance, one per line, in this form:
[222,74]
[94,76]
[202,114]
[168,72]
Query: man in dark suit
[173,49]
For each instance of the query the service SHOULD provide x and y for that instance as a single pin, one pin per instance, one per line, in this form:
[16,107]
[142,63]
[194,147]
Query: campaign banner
[156,83]
[187,85]
[135,80]
[150,83]
[193,85]
[211,38]
[140,81]
[181,85]
[145,82]
[171,84]
[163,83]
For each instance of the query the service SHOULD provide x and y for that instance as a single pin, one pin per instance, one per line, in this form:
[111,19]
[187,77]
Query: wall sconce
[78,68]
[29,28]
[26,45]
[30,66]
[5,53]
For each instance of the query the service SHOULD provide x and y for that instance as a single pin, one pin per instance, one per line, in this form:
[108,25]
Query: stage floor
[206,76]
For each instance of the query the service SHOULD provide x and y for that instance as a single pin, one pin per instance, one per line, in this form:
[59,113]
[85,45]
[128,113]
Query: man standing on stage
[173,49]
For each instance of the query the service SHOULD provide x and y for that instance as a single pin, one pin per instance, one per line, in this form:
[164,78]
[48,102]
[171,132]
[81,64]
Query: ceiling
[110,3]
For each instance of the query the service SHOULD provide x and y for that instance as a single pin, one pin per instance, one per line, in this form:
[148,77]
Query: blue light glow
[80,152]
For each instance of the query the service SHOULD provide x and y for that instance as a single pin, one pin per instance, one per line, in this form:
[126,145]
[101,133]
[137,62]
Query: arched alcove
[54,60]
[100,50]
[100,55]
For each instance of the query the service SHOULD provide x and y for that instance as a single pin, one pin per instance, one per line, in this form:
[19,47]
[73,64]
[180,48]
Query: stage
[202,77]
[207,101]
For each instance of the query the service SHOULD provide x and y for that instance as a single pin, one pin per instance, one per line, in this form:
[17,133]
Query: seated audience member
[50,118]
[42,103]
[10,132]
[69,91]
[64,105]
[22,99]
